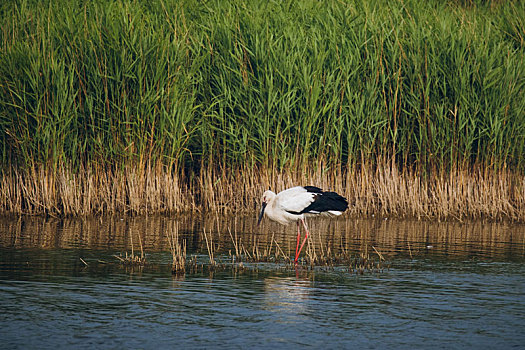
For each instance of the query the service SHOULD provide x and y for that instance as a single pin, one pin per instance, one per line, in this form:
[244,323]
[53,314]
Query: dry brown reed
[268,251]
[320,251]
[132,259]
[384,191]
[210,247]
[178,250]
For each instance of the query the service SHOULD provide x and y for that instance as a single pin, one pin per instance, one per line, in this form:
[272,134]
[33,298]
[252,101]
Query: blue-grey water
[447,285]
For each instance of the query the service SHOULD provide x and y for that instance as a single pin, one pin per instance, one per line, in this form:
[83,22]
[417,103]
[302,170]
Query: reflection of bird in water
[296,203]
[287,293]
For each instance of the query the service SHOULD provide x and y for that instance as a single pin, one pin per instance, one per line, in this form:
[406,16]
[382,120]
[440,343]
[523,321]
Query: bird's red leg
[298,239]
[304,241]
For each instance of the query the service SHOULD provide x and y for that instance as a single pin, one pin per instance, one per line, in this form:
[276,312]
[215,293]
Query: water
[456,285]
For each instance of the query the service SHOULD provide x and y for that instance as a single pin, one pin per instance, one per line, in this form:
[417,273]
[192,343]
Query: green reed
[105,82]
[277,86]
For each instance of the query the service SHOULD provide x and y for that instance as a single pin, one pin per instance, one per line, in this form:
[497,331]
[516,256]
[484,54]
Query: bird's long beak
[262,213]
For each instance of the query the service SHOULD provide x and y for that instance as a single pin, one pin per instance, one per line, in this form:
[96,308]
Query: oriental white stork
[296,203]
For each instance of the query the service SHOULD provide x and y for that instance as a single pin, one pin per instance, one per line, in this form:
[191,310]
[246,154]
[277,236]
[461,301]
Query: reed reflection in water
[152,234]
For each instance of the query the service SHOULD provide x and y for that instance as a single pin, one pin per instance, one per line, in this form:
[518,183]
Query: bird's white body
[282,207]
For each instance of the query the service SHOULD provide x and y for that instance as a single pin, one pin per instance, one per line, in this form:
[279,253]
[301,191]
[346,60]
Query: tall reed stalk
[178,250]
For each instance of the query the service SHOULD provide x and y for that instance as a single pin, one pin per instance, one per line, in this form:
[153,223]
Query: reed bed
[371,191]
[407,108]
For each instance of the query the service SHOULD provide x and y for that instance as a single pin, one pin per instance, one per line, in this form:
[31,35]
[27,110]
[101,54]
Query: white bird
[296,203]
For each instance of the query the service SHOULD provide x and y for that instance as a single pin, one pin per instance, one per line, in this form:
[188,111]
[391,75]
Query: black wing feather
[324,201]
[313,189]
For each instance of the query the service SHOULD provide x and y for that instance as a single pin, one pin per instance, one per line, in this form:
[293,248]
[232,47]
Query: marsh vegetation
[407,108]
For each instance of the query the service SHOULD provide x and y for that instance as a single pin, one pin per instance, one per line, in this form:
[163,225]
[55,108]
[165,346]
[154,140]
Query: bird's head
[266,198]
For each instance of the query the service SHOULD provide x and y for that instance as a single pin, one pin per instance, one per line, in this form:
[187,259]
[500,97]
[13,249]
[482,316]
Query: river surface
[443,285]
